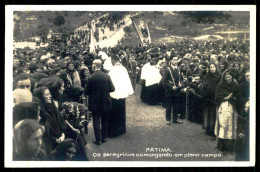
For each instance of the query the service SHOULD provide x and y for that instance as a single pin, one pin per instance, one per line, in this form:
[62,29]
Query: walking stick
[187,104]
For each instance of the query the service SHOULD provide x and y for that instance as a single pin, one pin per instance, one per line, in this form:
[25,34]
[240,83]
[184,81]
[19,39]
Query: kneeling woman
[226,122]
[67,151]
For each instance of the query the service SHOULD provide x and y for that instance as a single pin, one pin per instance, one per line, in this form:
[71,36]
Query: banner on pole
[142,29]
[92,38]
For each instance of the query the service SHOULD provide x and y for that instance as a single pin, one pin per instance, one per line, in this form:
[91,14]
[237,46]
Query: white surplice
[150,74]
[121,81]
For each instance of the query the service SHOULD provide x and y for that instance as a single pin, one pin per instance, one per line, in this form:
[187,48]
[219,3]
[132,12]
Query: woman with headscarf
[223,63]
[123,88]
[27,141]
[56,87]
[68,150]
[73,75]
[226,123]
[209,86]
[236,70]
[56,133]
[71,80]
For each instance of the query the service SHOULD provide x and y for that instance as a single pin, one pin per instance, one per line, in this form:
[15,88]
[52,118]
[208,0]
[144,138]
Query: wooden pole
[244,37]
[187,104]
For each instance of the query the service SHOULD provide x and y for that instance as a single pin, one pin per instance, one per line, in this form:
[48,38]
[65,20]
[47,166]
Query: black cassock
[117,119]
[143,96]
[150,94]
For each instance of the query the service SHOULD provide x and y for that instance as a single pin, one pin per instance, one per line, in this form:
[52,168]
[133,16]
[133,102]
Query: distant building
[32,18]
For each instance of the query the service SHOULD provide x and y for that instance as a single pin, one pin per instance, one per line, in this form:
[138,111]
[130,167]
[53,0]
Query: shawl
[57,126]
[224,89]
[210,83]
[73,76]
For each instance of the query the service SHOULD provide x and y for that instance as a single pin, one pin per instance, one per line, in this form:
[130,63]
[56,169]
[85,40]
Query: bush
[59,20]
[127,29]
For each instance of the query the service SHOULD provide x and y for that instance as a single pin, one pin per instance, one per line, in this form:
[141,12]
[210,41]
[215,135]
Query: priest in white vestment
[123,88]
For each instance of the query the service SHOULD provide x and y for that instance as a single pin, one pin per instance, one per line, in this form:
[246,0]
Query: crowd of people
[206,82]
[111,20]
[58,89]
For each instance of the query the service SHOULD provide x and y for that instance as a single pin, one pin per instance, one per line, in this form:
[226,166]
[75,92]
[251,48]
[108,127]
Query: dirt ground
[148,138]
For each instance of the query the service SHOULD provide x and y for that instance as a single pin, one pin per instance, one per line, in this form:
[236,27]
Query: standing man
[98,88]
[131,68]
[171,83]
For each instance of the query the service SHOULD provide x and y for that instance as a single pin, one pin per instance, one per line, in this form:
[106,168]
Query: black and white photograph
[130,85]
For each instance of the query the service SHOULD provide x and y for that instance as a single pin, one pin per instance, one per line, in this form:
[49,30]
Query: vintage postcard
[130,85]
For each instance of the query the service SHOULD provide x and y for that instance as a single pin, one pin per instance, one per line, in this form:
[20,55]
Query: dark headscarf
[54,84]
[224,89]
[212,79]
[59,154]
[68,70]
[224,61]
[25,110]
[38,92]
[210,83]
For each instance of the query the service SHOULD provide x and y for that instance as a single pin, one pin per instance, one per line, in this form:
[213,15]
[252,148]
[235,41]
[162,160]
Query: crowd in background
[111,20]
[51,115]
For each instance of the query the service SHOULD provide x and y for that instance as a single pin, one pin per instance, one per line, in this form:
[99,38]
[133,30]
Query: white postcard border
[9,83]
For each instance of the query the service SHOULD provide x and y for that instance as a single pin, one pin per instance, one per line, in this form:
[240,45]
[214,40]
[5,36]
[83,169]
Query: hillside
[28,24]
[161,24]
